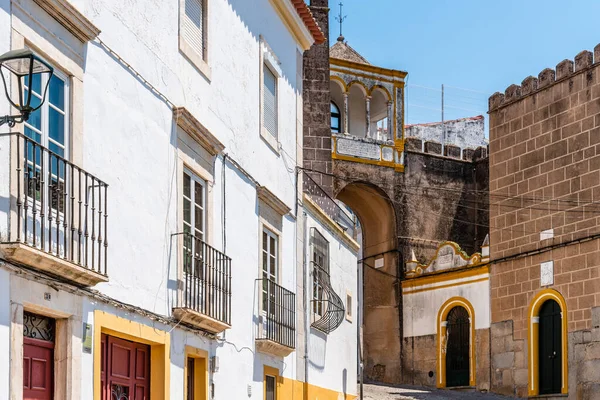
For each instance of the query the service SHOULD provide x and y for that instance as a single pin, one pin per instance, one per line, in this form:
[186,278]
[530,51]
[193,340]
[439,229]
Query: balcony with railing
[58,219]
[327,307]
[277,321]
[205,298]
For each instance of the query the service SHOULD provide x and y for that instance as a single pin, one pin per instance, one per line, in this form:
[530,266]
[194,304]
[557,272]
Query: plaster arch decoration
[340,82]
[442,339]
[365,89]
[533,334]
[378,87]
[449,255]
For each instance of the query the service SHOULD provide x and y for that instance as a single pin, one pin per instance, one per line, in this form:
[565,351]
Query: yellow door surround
[533,335]
[123,328]
[442,340]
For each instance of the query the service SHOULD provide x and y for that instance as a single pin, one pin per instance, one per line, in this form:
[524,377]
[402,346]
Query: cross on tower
[340,18]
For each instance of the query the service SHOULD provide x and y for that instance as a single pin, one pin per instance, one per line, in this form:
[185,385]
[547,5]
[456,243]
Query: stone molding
[269,198]
[73,20]
[190,125]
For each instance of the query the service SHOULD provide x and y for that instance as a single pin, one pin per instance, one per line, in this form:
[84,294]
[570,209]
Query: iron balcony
[277,322]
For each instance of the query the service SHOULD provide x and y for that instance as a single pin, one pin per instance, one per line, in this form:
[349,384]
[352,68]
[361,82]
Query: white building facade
[151,220]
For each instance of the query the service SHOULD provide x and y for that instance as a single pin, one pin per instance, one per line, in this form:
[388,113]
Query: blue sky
[482,46]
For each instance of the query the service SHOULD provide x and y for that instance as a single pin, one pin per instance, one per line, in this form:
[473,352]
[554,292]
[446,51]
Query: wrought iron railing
[206,279]
[328,309]
[329,205]
[278,309]
[60,209]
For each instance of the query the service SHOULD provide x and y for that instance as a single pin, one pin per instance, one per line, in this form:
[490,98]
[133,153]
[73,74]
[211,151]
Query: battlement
[418,145]
[548,77]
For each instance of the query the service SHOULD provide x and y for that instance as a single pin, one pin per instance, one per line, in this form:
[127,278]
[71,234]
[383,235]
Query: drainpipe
[359,326]
[306,309]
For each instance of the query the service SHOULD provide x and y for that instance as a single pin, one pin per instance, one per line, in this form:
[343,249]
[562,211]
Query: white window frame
[195,179]
[270,61]
[271,234]
[200,61]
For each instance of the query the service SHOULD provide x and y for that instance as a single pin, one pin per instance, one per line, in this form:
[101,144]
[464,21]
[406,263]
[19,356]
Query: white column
[368,105]
[345,117]
[390,134]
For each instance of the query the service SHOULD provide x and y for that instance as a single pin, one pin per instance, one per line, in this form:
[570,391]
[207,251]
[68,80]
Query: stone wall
[463,132]
[544,174]
[317,98]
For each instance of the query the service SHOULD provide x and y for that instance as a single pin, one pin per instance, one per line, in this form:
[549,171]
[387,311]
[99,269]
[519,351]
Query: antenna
[341,18]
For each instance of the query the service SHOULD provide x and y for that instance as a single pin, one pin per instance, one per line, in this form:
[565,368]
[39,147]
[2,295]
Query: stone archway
[380,259]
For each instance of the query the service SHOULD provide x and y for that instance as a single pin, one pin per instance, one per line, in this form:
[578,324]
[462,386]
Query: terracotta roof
[309,20]
[342,50]
[478,117]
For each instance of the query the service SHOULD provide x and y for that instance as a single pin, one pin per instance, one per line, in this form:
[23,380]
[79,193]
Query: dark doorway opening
[458,331]
[550,348]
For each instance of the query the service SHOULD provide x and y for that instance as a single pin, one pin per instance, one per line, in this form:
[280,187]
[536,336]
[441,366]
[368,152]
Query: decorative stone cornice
[267,197]
[190,125]
[73,20]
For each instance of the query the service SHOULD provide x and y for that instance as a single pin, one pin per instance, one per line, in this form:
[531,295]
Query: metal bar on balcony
[279,314]
[328,307]
[206,279]
[45,182]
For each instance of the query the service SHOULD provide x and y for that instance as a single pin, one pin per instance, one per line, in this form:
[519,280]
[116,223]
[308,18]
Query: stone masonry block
[503,360]
[529,85]
[433,147]
[583,60]
[468,154]
[413,143]
[495,100]
[595,317]
[452,151]
[512,92]
[588,371]
[500,329]
[597,53]
[564,68]
[546,77]
[521,377]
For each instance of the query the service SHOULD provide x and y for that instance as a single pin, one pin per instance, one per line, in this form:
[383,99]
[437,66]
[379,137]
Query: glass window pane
[56,150]
[265,241]
[56,125]
[56,93]
[265,264]
[186,185]
[273,268]
[187,211]
[31,134]
[273,247]
[198,198]
[199,219]
[36,84]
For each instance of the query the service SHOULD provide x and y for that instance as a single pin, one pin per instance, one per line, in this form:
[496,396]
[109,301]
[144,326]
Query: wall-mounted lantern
[24,65]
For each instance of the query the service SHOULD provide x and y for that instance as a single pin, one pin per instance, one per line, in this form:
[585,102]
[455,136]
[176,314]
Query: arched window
[336,123]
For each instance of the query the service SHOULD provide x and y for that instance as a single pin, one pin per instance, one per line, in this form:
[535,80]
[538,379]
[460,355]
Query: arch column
[390,135]
[368,108]
[345,127]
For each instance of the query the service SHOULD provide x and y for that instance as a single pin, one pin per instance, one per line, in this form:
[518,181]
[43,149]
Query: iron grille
[60,208]
[206,279]
[38,327]
[331,307]
[278,314]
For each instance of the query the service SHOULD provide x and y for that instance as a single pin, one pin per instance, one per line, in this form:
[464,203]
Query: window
[194,216]
[336,125]
[270,259]
[349,306]
[269,101]
[49,127]
[193,33]
[320,261]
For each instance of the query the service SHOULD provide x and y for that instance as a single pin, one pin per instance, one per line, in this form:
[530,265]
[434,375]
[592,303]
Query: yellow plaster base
[288,389]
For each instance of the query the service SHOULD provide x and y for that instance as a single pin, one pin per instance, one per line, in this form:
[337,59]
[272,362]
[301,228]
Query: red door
[125,372]
[38,369]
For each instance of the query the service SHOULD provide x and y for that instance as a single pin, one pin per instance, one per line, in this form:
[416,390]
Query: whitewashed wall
[128,141]
[420,310]
[332,357]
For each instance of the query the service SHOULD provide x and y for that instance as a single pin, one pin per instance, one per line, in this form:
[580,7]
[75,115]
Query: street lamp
[23,64]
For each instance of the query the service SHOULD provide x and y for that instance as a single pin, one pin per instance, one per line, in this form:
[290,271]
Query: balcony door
[46,168]
[270,263]
[125,369]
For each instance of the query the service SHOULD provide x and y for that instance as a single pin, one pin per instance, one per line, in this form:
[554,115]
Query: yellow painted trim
[333,226]
[446,275]
[201,372]
[340,80]
[442,340]
[290,18]
[368,68]
[288,389]
[359,83]
[445,286]
[270,371]
[533,335]
[160,345]
[380,87]
[358,74]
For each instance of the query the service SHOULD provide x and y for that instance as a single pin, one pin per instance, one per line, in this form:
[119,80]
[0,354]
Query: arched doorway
[550,348]
[457,348]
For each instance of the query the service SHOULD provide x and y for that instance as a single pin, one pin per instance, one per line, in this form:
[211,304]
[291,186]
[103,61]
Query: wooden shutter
[192,28]
[270,101]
